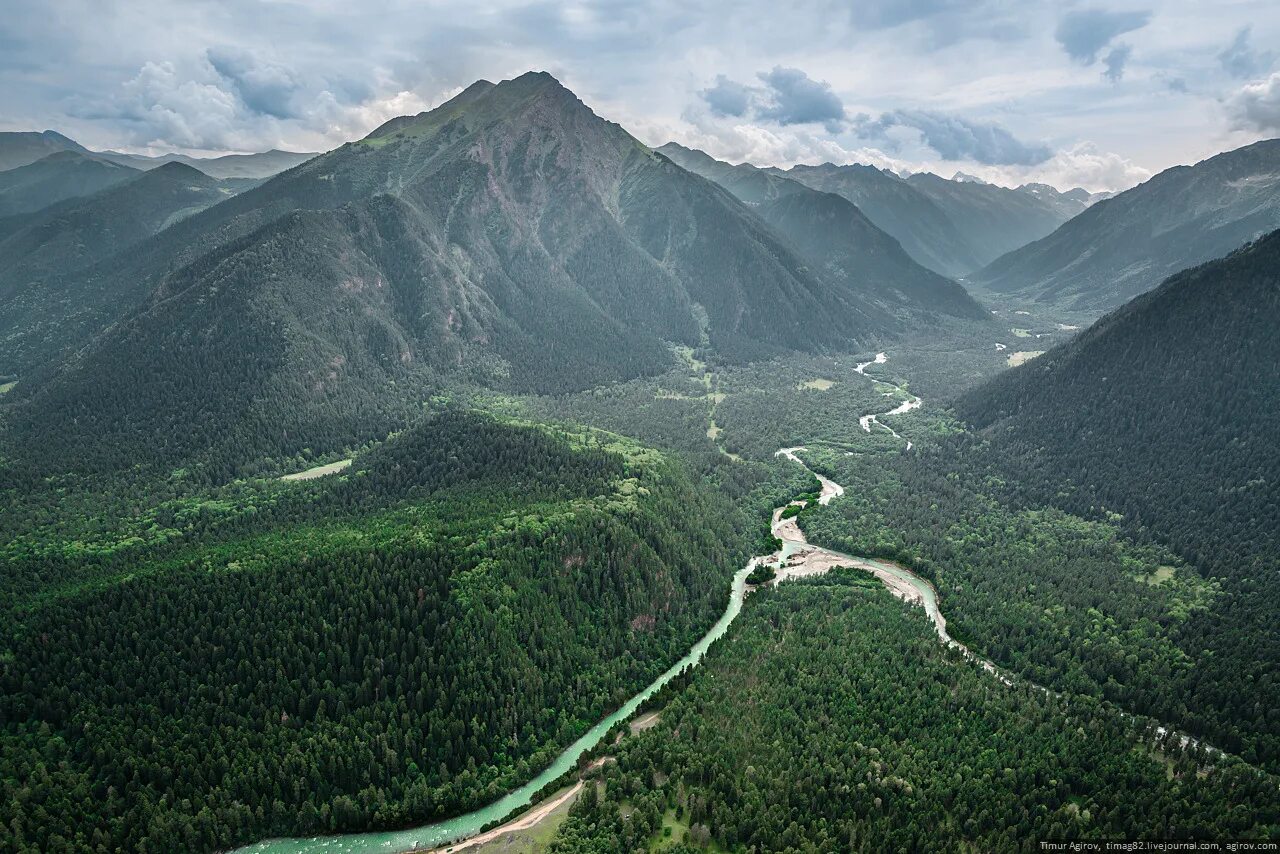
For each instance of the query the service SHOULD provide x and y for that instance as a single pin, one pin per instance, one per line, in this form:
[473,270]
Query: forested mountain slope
[994,220]
[1128,244]
[510,236]
[382,648]
[49,301]
[1166,413]
[20,148]
[63,175]
[925,231]
[829,718]
[749,183]
[833,235]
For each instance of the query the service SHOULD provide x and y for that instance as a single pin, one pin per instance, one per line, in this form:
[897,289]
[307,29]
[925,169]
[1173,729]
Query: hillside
[749,183]
[62,175]
[408,639]
[994,220]
[52,303]
[829,718]
[21,148]
[916,221]
[1128,244]
[1165,414]
[509,237]
[833,235]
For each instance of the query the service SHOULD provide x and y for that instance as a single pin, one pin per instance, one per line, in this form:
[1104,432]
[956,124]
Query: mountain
[749,183]
[832,234]
[916,221]
[1128,244]
[510,237]
[61,175]
[1067,203]
[50,303]
[507,581]
[1164,415]
[263,164]
[25,147]
[994,220]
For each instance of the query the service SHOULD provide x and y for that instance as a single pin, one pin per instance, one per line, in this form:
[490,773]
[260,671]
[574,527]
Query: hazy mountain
[902,210]
[510,236]
[1067,203]
[833,235]
[22,148]
[50,303]
[994,220]
[1164,415]
[61,175]
[1126,245]
[261,165]
[749,183]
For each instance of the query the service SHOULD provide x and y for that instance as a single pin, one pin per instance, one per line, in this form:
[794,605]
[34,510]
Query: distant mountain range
[23,148]
[58,176]
[834,235]
[509,237]
[952,227]
[1128,244]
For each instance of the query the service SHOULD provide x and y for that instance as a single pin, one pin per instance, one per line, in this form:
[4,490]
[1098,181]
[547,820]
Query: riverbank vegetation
[390,645]
[830,718]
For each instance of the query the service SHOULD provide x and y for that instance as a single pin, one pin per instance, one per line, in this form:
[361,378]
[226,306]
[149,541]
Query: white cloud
[1256,106]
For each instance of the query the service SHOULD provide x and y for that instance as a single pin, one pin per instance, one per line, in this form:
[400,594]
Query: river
[795,549]
[911,402]
[797,558]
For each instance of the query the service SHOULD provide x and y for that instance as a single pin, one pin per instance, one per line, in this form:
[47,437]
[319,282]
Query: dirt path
[525,821]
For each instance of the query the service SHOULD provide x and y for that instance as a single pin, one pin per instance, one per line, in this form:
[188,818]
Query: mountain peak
[178,169]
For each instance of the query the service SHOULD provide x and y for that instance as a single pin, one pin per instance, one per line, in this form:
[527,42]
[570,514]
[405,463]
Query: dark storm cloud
[1085,33]
[955,138]
[793,98]
[788,96]
[264,87]
[727,98]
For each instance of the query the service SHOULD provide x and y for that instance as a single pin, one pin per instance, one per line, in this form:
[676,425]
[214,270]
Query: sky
[1100,95]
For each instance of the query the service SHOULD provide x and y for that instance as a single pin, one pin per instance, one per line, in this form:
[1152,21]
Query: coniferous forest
[341,495]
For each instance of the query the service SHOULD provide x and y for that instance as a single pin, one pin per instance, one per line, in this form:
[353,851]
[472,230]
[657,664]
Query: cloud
[1239,59]
[264,87]
[955,138]
[1115,62]
[788,97]
[727,98]
[1256,106]
[793,98]
[1085,33]
[235,102]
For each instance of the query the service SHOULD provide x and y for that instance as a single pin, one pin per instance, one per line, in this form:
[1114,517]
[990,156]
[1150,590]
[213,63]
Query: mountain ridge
[1129,243]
